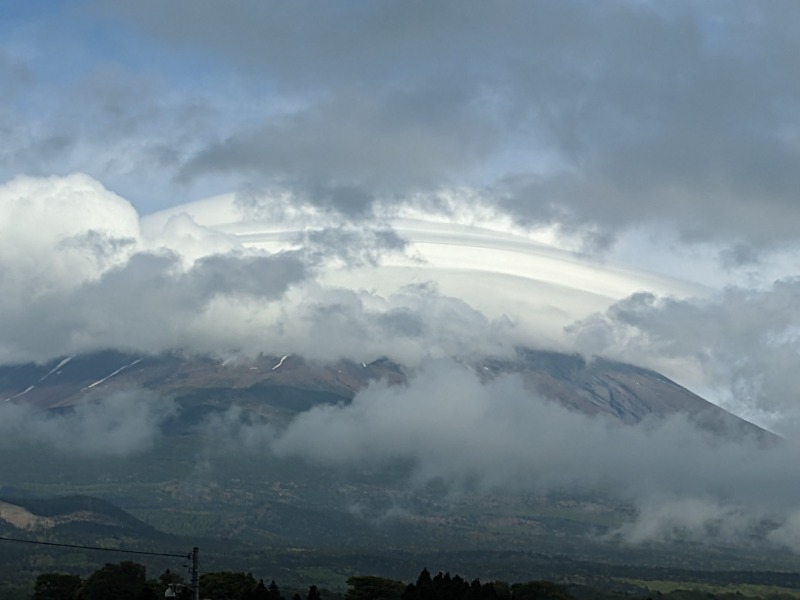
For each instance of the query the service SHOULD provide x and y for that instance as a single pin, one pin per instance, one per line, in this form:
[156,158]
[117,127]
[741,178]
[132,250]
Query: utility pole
[195,582]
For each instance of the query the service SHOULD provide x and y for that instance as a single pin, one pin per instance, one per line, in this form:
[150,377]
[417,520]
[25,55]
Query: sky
[413,179]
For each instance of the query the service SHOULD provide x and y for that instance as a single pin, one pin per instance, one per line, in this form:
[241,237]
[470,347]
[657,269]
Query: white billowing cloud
[227,276]
[56,233]
[78,275]
[76,283]
[446,425]
[411,325]
[192,241]
[120,424]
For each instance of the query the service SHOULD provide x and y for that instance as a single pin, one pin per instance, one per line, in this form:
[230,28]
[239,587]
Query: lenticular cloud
[81,271]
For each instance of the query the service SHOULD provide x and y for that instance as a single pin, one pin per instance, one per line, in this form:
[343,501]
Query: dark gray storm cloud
[596,117]
[575,113]
[349,149]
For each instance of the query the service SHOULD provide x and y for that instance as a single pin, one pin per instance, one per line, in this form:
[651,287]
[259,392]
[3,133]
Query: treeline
[128,581]
[445,587]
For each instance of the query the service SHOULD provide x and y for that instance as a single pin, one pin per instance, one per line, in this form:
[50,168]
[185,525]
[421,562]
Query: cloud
[56,233]
[410,326]
[128,126]
[120,424]
[75,281]
[788,534]
[637,128]
[741,343]
[354,247]
[80,274]
[234,430]
[446,425]
[348,151]
[681,519]
[596,121]
[598,118]
[151,305]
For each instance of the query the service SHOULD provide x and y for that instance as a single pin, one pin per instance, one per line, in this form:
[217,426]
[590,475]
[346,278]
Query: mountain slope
[203,474]
[599,386]
[33,512]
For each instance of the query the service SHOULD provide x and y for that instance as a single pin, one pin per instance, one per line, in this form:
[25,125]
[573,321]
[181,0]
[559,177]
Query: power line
[8,539]
[193,556]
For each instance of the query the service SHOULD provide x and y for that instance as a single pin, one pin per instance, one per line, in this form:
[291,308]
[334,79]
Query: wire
[8,539]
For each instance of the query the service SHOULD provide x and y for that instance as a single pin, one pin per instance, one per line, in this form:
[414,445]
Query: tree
[313,593]
[227,584]
[260,592]
[56,586]
[424,587]
[273,591]
[123,581]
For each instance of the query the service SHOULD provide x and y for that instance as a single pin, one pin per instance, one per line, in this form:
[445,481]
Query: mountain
[198,472]
[593,387]
[623,391]
[32,512]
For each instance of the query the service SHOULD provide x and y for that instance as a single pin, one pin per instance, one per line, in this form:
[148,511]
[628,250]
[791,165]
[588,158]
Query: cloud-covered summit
[422,181]
[237,274]
[83,272]
[79,275]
